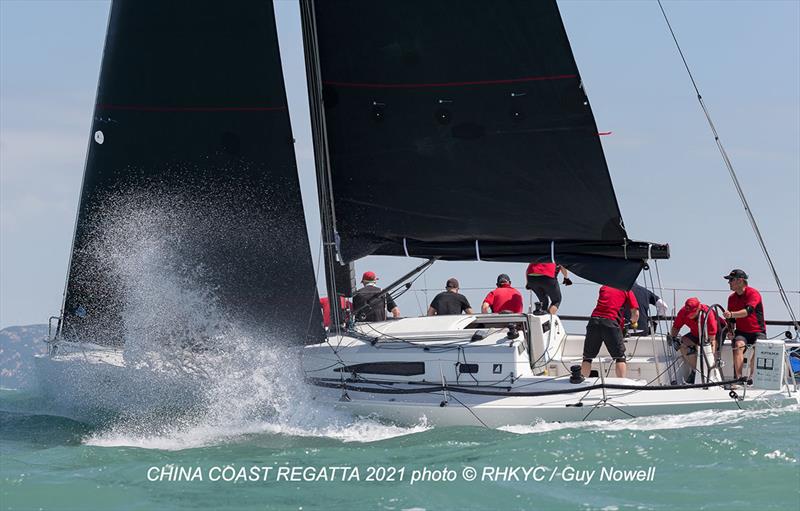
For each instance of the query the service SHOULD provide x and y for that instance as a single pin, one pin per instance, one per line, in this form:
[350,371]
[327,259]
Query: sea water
[706,460]
[258,440]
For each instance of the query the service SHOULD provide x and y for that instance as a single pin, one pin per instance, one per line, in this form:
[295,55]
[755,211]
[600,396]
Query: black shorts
[547,290]
[692,338]
[750,338]
[603,331]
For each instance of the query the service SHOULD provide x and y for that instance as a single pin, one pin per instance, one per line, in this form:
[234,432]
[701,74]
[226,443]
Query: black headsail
[461,130]
[191,207]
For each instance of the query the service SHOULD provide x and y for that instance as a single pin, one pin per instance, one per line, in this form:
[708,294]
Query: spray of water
[193,372]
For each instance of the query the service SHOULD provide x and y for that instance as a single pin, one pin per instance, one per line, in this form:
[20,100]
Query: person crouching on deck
[605,327]
[503,299]
[688,316]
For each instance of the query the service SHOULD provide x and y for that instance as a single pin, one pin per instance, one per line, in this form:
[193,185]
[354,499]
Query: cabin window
[393,368]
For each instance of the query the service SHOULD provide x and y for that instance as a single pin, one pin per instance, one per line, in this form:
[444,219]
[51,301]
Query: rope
[735,179]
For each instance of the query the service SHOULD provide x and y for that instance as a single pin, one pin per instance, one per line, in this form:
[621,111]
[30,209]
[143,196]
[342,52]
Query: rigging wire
[735,179]
[469,410]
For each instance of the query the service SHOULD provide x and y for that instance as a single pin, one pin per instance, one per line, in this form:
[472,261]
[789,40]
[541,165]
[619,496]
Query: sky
[670,181]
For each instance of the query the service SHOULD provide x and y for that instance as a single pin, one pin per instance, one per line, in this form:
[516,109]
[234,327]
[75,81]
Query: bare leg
[621,368]
[691,360]
[752,361]
[738,357]
[586,368]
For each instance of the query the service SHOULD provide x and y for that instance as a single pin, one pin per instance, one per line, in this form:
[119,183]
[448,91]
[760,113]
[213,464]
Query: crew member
[605,327]
[449,301]
[345,305]
[541,279]
[746,310]
[368,309]
[688,316]
[646,298]
[504,298]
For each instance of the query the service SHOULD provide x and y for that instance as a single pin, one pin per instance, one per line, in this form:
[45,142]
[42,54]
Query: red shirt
[504,298]
[754,321]
[326,308]
[548,269]
[611,300]
[683,319]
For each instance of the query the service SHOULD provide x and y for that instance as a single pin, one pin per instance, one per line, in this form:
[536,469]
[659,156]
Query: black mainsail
[461,130]
[191,139]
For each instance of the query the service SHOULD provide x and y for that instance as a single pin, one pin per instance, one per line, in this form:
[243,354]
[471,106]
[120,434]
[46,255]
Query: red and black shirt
[749,300]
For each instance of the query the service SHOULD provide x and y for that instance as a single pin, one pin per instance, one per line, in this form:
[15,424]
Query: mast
[321,160]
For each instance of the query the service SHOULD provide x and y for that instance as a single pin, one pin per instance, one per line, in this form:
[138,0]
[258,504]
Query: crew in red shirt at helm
[746,309]
[605,327]
[504,298]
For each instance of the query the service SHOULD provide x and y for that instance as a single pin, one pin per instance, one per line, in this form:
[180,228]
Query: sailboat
[428,144]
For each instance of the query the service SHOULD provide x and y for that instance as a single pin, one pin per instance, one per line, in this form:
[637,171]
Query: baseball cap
[452,283]
[503,278]
[692,304]
[369,276]
[735,274]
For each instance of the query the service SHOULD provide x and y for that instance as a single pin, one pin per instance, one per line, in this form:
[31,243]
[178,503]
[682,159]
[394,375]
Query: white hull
[498,412]
[537,362]
[78,382]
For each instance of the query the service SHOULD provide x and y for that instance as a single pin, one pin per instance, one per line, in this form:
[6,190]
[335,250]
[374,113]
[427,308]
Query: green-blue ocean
[707,460]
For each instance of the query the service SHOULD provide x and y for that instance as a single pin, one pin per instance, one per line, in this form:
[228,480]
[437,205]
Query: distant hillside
[18,344]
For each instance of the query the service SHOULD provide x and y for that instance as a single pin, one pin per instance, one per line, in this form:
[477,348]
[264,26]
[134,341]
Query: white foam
[778,455]
[178,438]
[702,418]
[246,384]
